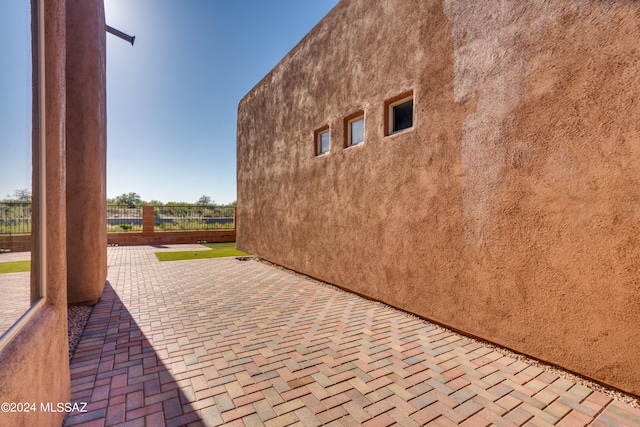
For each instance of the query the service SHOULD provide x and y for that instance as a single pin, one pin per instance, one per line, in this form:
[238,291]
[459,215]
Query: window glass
[356,131]
[19,131]
[323,142]
[402,116]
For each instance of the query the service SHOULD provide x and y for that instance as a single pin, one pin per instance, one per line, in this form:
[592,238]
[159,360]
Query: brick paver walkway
[225,342]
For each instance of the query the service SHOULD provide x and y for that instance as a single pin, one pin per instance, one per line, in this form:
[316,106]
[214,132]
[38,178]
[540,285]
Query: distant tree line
[19,196]
[130,199]
[133,200]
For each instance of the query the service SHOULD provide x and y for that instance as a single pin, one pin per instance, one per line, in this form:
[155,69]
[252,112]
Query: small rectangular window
[399,113]
[354,129]
[322,140]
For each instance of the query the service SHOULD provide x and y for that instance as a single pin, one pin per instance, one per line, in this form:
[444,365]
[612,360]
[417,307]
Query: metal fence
[193,217]
[122,218]
[15,218]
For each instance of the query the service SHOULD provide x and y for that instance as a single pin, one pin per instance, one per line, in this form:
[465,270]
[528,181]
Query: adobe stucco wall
[34,364]
[510,211]
[86,130]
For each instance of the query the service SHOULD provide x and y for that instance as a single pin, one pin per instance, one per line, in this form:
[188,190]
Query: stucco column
[148,221]
[86,132]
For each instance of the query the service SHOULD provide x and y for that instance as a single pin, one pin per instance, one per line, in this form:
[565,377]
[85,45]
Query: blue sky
[172,97]
[15,96]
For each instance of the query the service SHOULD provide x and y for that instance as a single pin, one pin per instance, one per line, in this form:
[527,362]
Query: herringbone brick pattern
[224,342]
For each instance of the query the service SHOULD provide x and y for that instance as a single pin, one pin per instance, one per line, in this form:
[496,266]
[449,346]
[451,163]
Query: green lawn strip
[218,250]
[221,246]
[15,267]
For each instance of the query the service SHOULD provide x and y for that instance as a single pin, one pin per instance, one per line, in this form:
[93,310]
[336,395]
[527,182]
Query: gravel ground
[77,316]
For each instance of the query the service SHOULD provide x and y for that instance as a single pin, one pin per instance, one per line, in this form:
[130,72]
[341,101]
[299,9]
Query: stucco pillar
[148,221]
[86,132]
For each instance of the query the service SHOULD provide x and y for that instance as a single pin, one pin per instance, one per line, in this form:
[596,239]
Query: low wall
[22,242]
[16,242]
[171,237]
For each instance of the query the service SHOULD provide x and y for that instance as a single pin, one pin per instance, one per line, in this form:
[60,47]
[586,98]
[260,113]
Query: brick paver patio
[226,342]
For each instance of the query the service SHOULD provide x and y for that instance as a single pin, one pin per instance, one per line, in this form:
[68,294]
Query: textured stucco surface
[509,211]
[86,129]
[34,365]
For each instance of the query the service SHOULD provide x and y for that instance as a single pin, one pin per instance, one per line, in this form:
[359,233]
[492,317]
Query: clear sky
[172,98]
[15,96]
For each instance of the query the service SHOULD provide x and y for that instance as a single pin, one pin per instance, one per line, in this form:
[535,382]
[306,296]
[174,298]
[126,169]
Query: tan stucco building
[495,189]
[69,176]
